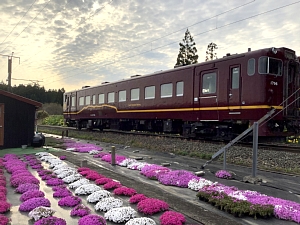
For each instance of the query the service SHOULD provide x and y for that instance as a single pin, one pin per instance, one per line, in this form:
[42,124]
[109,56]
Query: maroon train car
[217,99]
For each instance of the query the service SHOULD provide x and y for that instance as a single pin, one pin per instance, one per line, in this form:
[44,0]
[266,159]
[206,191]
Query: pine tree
[187,51]
[210,53]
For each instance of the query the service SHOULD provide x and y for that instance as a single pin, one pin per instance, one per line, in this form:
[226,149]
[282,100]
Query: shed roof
[20,98]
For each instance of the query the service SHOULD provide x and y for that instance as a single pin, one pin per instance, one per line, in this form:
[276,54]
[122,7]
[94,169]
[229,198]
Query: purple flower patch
[223,174]
[54,182]
[62,192]
[4,206]
[31,194]
[51,220]
[80,210]
[137,198]
[2,196]
[69,201]
[4,220]
[63,157]
[112,185]
[26,187]
[92,220]
[179,178]
[44,172]
[32,203]
[23,180]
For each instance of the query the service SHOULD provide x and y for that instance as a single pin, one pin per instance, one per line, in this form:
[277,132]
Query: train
[216,99]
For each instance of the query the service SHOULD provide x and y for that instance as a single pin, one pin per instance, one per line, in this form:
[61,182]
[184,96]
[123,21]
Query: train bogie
[215,99]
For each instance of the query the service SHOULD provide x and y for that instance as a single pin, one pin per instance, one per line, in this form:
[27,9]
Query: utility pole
[10,57]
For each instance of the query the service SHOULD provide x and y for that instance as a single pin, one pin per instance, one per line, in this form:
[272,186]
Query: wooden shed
[17,120]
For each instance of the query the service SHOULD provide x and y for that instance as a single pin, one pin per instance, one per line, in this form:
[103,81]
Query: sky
[73,43]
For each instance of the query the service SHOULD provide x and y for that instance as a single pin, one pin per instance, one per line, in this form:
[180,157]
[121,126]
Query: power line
[18,22]
[226,25]
[28,24]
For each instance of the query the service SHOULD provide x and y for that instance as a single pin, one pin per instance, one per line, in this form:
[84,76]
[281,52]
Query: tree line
[36,93]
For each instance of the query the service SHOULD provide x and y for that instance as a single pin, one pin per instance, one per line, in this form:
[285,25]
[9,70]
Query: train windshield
[267,65]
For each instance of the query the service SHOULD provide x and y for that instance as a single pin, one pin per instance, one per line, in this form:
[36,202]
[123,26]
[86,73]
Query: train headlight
[274,50]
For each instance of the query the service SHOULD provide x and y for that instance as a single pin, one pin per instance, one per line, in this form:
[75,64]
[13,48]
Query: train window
[150,92]
[101,98]
[251,67]
[81,101]
[166,90]
[111,97]
[269,65]
[179,88]
[135,94]
[87,100]
[209,83]
[73,101]
[94,99]
[235,78]
[122,96]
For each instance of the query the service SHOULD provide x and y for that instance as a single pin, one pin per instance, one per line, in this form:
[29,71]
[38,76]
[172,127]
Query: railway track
[292,148]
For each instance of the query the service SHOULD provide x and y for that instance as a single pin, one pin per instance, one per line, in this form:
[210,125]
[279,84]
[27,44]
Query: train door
[1,124]
[234,90]
[208,96]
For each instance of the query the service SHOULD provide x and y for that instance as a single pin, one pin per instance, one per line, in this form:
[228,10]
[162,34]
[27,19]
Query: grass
[21,151]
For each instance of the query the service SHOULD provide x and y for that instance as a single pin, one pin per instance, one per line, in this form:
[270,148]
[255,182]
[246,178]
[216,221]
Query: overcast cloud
[73,43]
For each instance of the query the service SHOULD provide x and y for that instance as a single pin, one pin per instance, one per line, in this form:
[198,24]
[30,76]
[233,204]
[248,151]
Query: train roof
[228,56]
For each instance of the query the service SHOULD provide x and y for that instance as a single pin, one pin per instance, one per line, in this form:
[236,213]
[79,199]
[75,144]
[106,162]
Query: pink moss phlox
[48,176]
[152,171]
[44,172]
[223,174]
[26,187]
[69,201]
[56,188]
[2,196]
[3,183]
[3,190]
[94,176]
[4,206]
[4,220]
[119,158]
[32,203]
[100,155]
[86,172]
[124,191]
[80,210]
[36,167]
[63,157]
[54,182]
[62,192]
[179,178]
[112,185]
[172,218]
[31,194]
[51,220]
[137,198]
[92,220]
[150,206]
[80,169]
[102,181]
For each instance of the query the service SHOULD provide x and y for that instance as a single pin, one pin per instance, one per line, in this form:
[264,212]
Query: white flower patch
[87,189]
[40,154]
[238,195]
[120,215]
[141,221]
[78,183]
[94,152]
[106,204]
[98,195]
[66,173]
[60,166]
[46,158]
[41,212]
[196,184]
[72,178]
[70,149]
[55,162]
[61,169]
[136,165]
[127,162]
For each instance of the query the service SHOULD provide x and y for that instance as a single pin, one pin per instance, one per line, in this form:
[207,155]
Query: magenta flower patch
[48,176]
[94,176]
[63,157]
[62,192]
[179,178]
[172,218]
[80,169]
[3,190]
[137,198]
[80,210]
[2,196]
[26,187]
[223,174]
[44,172]
[32,203]
[153,171]
[124,191]
[23,180]
[55,188]
[4,220]
[119,158]
[112,185]
[92,220]
[4,206]
[51,220]
[151,206]
[31,194]
[69,201]
[100,155]
[102,181]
